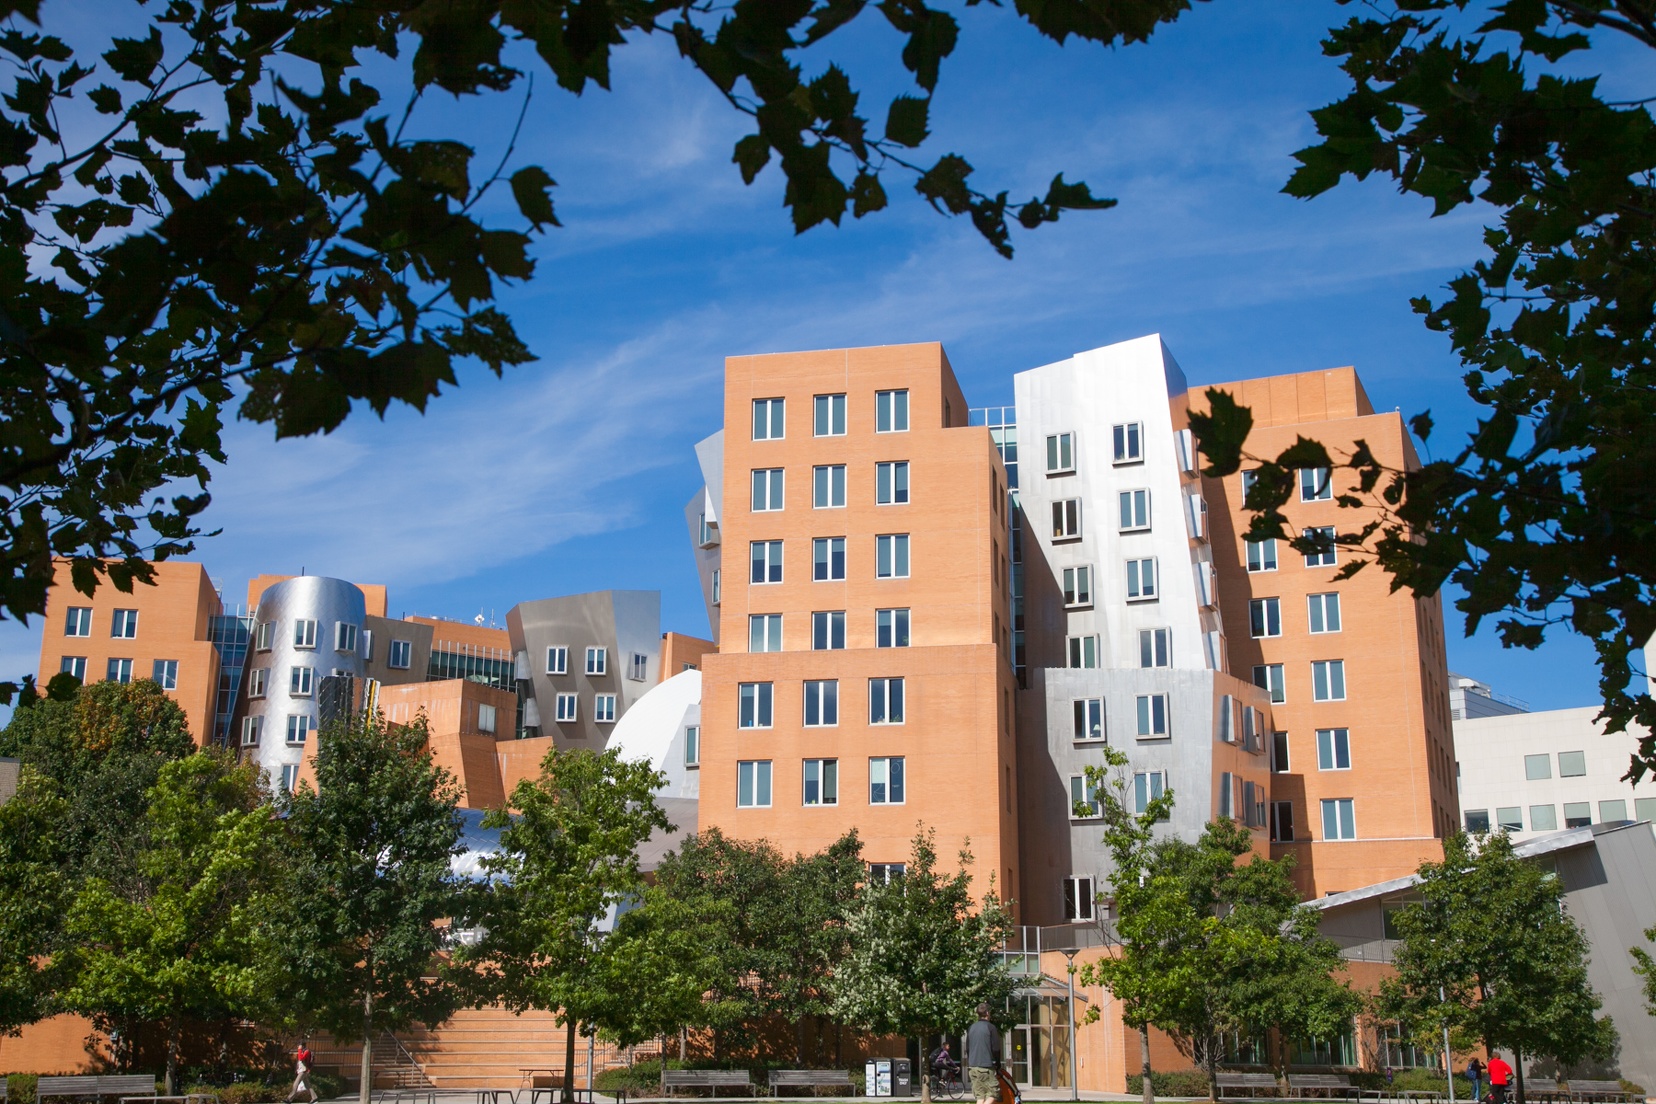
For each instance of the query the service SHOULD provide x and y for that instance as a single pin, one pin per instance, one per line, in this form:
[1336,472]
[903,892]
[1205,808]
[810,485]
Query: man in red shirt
[1500,1076]
[302,1058]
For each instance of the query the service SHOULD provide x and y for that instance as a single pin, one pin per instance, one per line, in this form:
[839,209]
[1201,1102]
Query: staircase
[393,1066]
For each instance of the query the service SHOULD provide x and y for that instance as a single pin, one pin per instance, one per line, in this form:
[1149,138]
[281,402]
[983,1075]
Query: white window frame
[1326,558]
[252,731]
[73,665]
[1080,897]
[1279,753]
[765,560]
[263,636]
[828,416]
[1088,717]
[891,556]
[828,630]
[880,773]
[1333,749]
[1279,822]
[1081,652]
[823,561]
[118,670]
[1153,786]
[301,681]
[566,708]
[597,660]
[164,672]
[1078,586]
[1344,810]
[603,708]
[638,667]
[821,700]
[123,624]
[1155,648]
[557,659]
[1127,442]
[1316,484]
[290,777]
[692,746]
[888,623]
[770,419]
[754,775]
[1264,618]
[487,719]
[887,701]
[400,656]
[717,596]
[1134,510]
[891,483]
[299,728]
[764,632]
[1276,681]
[826,782]
[1066,519]
[1151,710]
[304,633]
[1261,555]
[1060,454]
[1323,610]
[78,622]
[828,487]
[891,411]
[1142,580]
[755,705]
[1324,674]
[769,492]
[345,637]
[258,682]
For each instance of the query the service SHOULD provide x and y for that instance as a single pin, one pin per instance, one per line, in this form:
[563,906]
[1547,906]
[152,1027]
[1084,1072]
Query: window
[1089,718]
[486,719]
[1084,802]
[1577,814]
[891,628]
[1155,647]
[1060,453]
[1325,613]
[1328,680]
[891,410]
[885,781]
[298,728]
[1141,580]
[304,634]
[1572,764]
[767,489]
[263,635]
[1078,586]
[827,486]
[827,560]
[166,673]
[767,561]
[73,665]
[885,701]
[252,728]
[1083,651]
[1324,555]
[1509,818]
[1269,676]
[1279,753]
[753,705]
[692,745]
[1147,786]
[1612,810]
[821,782]
[1339,818]
[1249,478]
[1537,766]
[1135,510]
[828,631]
[716,576]
[568,708]
[1227,719]
[707,533]
[880,873]
[891,556]
[290,777]
[768,419]
[603,708]
[1227,795]
[368,645]
[1127,440]
[822,703]
[1282,821]
[597,660]
[119,670]
[1316,484]
[401,654]
[1265,617]
[891,483]
[1066,519]
[765,632]
[830,416]
[79,621]
[1543,818]
[638,667]
[123,624]
[258,682]
[1152,716]
[1644,808]
[1477,821]
[1333,749]
[1078,898]
[301,681]
[1262,555]
[753,784]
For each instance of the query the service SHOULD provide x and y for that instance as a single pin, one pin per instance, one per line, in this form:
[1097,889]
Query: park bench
[807,1079]
[1233,1086]
[544,1095]
[1328,1085]
[708,1079]
[1583,1089]
[116,1084]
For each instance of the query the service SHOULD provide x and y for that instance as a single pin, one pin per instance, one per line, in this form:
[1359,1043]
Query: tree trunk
[1144,1061]
[661,1064]
[365,1090]
[174,1030]
[1212,1068]
[1518,1071]
[569,1059]
[924,1073]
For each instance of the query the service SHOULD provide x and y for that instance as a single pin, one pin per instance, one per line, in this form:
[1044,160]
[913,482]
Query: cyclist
[943,1064]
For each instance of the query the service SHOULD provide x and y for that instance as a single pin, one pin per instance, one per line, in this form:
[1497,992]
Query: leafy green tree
[811,936]
[371,887]
[35,889]
[1489,950]
[188,944]
[568,860]
[924,951]
[1645,967]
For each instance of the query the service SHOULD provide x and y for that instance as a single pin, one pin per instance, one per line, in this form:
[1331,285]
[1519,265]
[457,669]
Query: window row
[298,731]
[1315,484]
[566,708]
[756,703]
[1126,447]
[1151,714]
[891,630]
[769,488]
[1571,764]
[346,636]
[1262,555]
[1322,615]
[1544,818]
[891,559]
[820,783]
[1241,800]
[1132,515]
[770,423]
[1328,681]
[163,671]
[596,662]
[1339,820]
[1084,804]
[123,623]
[1241,724]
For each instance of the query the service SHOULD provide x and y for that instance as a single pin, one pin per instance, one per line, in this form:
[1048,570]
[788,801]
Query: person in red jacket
[1500,1077]
[302,1059]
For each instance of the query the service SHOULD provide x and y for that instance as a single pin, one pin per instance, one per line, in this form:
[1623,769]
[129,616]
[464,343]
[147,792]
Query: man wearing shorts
[983,1051]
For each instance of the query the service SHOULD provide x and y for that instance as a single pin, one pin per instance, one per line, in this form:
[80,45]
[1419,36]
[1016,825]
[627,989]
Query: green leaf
[1221,433]
[906,120]
[135,59]
[532,188]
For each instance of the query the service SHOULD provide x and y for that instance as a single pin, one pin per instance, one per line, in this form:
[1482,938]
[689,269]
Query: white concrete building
[1469,698]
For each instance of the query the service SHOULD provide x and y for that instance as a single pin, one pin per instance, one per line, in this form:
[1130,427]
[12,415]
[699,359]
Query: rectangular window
[166,673]
[345,637]
[821,782]
[822,703]
[891,628]
[1572,764]
[1089,718]
[1279,753]
[1084,802]
[707,533]
[1269,676]
[258,681]
[1282,821]
[1339,818]
[1147,786]
[830,416]
[1227,794]
[766,557]
[74,665]
[1333,749]
[1127,440]
[1249,478]
[1477,821]
[1328,680]
[692,745]
[123,624]
[1060,453]
[1141,580]
[1152,716]
[603,708]
[119,670]
[1078,899]
[1078,586]
[891,412]
[290,777]
[597,660]
[885,701]
[1135,510]
[1083,651]
[767,489]
[1316,484]
[486,719]
[827,486]
[1323,535]
[1066,519]
[1543,818]
[301,681]
[768,419]
[1578,814]
[1265,617]
[638,667]
[753,784]
[1610,811]
[1262,555]
[885,781]
[79,621]
[1537,767]
[716,594]
[252,728]
[891,483]
[827,559]
[1325,613]
[891,556]
[298,729]
[765,632]
[263,635]
[368,645]
[753,705]
[1510,818]
[304,634]
[1644,808]
[828,630]
[881,873]
[400,655]
[1155,647]
[568,708]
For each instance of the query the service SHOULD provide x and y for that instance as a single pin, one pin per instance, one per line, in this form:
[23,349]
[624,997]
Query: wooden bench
[1233,1086]
[117,1084]
[708,1079]
[808,1079]
[555,1095]
[1328,1085]
[1583,1089]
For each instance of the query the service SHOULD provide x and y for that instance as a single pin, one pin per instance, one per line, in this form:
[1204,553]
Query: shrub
[1411,1080]
[1190,1082]
[20,1086]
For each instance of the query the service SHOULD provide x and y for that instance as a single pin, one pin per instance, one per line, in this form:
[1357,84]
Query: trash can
[877,1075]
[902,1077]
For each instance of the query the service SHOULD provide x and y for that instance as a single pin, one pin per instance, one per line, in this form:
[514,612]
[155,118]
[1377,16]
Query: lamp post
[1069,980]
[1448,1056]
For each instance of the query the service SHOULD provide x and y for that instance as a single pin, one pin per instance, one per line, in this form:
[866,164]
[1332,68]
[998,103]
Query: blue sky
[571,473]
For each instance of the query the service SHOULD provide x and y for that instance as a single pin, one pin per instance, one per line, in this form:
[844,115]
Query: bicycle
[948,1084]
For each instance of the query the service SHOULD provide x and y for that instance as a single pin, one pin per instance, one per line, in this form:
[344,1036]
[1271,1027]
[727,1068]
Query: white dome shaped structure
[654,731]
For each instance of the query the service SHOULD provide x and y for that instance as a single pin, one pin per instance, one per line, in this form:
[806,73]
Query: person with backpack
[1474,1074]
[302,1059]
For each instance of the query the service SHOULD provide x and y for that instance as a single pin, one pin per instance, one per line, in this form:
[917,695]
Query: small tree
[35,889]
[923,951]
[372,885]
[1489,949]
[811,937]
[1646,968]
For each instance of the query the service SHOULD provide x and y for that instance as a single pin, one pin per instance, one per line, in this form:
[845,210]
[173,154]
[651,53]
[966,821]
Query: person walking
[1474,1074]
[983,1053]
[302,1059]
[1500,1076]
